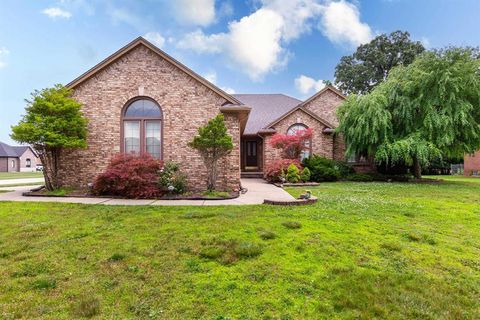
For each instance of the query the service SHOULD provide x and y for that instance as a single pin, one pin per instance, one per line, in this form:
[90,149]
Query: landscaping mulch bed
[296,202]
[302,184]
[86,194]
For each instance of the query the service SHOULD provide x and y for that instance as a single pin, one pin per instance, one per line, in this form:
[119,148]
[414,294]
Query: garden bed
[63,193]
[295,202]
[298,184]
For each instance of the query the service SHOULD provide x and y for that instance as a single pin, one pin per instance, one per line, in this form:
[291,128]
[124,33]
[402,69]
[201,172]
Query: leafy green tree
[423,111]
[53,122]
[372,62]
[213,143]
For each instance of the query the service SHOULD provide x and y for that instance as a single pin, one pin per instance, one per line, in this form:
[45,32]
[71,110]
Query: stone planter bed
[296,202]
[85,194]
[300,184]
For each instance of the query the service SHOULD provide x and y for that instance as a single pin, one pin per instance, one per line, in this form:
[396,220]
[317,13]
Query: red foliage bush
[273,171]
[130,176]
[292,145]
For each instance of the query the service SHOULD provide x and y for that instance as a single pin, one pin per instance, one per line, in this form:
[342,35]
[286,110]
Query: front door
[251,159]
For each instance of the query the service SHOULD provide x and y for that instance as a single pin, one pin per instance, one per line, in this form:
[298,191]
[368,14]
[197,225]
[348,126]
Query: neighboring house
[17,158]
[471,164]
[142,100]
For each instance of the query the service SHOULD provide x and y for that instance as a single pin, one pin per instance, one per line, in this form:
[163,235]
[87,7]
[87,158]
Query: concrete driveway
[258,191]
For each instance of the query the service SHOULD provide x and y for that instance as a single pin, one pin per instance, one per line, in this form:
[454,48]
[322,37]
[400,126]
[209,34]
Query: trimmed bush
[305,175]
[130,176]
[293,174]
[360,177]
[344,169]
[170,176]
[322,169]
[278,168]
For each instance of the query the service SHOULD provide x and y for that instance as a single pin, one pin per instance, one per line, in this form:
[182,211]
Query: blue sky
[252,46]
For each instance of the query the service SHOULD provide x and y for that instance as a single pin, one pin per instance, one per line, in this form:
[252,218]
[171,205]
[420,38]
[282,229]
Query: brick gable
[186,105]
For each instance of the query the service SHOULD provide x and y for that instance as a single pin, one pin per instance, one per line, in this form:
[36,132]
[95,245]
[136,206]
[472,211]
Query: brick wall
[325,106]
[186,105]
[472,163]
[322,144]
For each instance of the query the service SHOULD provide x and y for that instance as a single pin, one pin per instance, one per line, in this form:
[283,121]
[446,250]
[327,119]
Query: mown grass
[20,175]
[364,251]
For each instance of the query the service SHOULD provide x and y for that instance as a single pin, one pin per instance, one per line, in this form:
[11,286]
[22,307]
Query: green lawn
[20,175]
[365,251]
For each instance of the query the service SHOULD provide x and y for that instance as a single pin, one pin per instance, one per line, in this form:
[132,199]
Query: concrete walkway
[258,190]
[21,181]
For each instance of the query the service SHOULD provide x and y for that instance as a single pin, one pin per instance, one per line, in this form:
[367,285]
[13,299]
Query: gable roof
[319,93]
[265,108]
[142,41]
[20,150]
[7,151]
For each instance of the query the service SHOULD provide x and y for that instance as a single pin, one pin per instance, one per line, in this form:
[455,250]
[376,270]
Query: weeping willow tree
[423,111]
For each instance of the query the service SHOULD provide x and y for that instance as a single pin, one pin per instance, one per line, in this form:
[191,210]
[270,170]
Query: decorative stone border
[303,184]
[296,202]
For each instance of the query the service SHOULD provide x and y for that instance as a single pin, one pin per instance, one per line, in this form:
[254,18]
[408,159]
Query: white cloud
[253,43]
[257,44]
[3,53]
[341,24]
[211,76]
[308,85]
[202,43]
[55,12]
[197,12]
[156,38]
[228,90]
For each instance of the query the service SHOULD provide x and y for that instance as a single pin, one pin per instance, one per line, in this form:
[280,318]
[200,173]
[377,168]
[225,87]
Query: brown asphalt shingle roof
[266,108]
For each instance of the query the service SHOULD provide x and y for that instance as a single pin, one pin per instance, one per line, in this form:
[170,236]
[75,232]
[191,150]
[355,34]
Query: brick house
[471,164]
[142,100]
[17,158]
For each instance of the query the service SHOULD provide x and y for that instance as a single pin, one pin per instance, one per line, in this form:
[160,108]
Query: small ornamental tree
[423,111]
[292,145]
[213,143]
[53,122]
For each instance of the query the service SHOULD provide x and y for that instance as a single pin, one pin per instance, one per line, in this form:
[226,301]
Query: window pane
[143,109]
[132,136]
[153,138]
[297,127]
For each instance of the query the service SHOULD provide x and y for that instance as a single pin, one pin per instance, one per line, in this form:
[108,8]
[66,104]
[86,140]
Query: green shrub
[321,169]
[212,252]
[305,175]
[344,169]
[292,224]
[293,174]
[170,176]
[360,177]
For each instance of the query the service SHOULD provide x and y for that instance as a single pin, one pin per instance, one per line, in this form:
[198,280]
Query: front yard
[366,250]
[20,175]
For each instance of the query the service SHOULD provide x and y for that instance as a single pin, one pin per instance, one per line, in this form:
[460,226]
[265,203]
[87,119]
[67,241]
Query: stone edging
[295,202]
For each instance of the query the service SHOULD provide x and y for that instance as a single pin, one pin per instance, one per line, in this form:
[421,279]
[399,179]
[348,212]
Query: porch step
[252,175]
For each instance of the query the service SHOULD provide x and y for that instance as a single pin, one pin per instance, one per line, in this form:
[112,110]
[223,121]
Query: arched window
[292,130]
[13,163]
[28,163]
[142,128]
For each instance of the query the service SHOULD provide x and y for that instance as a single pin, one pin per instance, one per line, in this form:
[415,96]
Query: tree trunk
[417,168]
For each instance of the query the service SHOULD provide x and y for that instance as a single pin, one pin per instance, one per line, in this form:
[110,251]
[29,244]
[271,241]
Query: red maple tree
[292,145]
